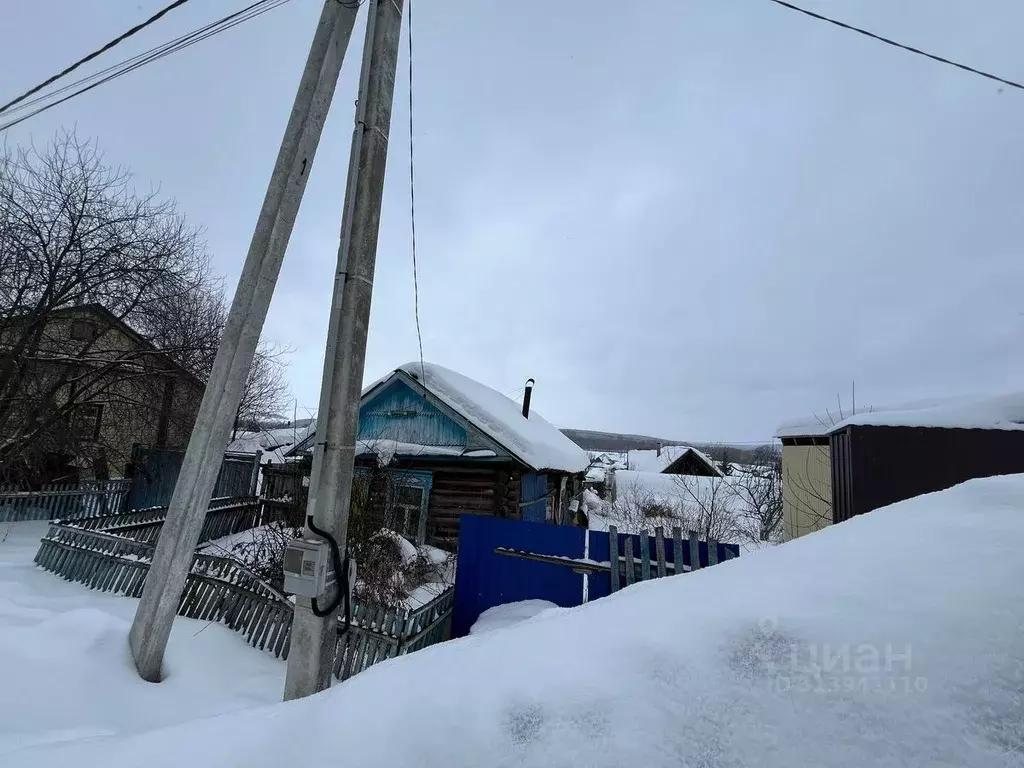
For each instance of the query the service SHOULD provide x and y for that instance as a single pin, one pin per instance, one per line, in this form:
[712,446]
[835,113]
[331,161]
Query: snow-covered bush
[390,567]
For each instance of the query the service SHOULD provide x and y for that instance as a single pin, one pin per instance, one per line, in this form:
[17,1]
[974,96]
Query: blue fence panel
[486,579]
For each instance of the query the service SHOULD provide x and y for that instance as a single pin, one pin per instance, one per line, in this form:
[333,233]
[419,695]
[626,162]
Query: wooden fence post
[659,550]
[645,556]
[613,555]
[630,567]
[254,481]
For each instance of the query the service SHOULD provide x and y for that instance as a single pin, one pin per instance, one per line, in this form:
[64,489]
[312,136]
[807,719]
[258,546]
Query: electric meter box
[307,568]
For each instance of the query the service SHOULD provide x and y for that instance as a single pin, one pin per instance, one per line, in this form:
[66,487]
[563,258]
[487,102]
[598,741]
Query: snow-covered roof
[1005,412]
[534,441]
[653,461]
[798,655]
[271,439]
[807,426]
[667,489]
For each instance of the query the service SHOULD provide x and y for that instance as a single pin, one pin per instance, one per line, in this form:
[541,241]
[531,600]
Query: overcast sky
[688,218]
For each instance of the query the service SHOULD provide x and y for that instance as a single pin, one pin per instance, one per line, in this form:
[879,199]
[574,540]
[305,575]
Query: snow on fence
[62,501]
[112,553]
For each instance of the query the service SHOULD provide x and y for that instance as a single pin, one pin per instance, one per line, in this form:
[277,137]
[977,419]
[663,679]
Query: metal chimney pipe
[526,398]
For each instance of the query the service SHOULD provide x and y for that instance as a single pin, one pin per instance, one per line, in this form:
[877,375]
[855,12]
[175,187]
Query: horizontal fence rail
[113,553]
[629,566]
[64,501]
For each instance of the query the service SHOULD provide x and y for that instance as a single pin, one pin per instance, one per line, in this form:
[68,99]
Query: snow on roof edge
[534,441]
[995,412]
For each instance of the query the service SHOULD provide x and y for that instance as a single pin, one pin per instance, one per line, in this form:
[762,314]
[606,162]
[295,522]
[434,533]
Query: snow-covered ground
[65,669]
[894,639]
[504,616]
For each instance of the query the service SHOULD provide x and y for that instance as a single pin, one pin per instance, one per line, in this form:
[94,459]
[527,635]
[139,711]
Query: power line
[119,39]
[160,51]
[412,209]
[896,44]
[139,60]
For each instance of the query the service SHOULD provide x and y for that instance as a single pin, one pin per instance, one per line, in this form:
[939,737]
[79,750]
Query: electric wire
[896,44]
[412,207]
[135,62]
[99,51]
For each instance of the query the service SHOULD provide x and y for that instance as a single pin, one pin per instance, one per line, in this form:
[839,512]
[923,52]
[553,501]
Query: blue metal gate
[484,579]
[505,561]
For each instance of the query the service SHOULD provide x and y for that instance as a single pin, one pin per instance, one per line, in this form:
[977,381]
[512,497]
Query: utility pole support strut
[175,548]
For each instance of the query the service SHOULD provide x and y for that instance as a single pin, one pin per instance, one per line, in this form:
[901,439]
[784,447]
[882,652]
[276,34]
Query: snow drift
[894,639]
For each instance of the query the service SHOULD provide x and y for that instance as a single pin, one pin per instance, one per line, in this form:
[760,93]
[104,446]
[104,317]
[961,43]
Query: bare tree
[73,232]
[266,390]
[637,507]
[759,491]
[706,505]
[709,507]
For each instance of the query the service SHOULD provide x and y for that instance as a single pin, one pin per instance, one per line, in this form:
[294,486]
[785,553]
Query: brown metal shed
[873,466]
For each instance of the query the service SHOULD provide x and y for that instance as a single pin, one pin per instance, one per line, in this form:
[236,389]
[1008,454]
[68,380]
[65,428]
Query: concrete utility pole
[180,534]
[314,639]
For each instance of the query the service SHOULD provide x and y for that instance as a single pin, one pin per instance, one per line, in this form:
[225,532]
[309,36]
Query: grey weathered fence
[155,472]
[113,554]
[64,500]
[686,556]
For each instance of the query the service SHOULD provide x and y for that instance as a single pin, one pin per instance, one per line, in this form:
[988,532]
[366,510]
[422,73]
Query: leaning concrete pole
[180,534]
[314,639]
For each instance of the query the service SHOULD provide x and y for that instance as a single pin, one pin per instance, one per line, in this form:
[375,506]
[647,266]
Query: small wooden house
[456,446]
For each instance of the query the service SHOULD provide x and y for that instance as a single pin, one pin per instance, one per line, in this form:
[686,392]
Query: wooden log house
[458,447]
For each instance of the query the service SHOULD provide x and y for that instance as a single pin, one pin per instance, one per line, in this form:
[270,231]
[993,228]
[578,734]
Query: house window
[83,330]
[410,503]
[88,421]
[399,497]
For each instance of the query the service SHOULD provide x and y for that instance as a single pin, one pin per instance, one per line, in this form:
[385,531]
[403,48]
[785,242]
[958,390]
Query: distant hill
[591,440]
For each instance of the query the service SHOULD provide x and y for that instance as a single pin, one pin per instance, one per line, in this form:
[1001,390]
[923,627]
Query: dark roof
[114,321]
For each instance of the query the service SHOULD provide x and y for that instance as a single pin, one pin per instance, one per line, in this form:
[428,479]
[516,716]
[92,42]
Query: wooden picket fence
[630,567]
[113,554]
[64,501]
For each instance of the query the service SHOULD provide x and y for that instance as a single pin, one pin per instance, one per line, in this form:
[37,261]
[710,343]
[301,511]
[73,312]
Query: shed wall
[806,489]
[883,465]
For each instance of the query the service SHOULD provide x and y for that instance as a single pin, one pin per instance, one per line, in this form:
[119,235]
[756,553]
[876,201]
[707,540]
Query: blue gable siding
[398,412]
